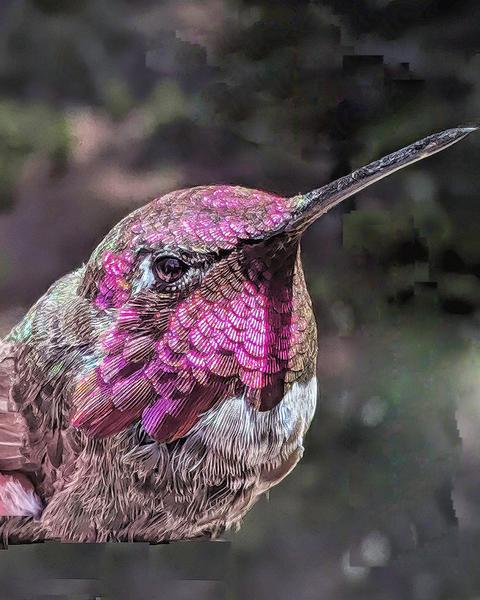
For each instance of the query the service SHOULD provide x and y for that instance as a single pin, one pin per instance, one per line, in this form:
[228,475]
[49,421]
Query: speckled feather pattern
[153,415]
[209,218]
[145,412]
[167,363]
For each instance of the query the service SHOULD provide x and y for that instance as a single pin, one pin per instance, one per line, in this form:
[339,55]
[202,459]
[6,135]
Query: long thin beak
[308,207]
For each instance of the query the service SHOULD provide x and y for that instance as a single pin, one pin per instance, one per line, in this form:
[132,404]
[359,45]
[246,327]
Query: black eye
[168,269]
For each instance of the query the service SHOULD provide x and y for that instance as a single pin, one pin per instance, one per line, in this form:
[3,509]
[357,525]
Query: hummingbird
[158,391]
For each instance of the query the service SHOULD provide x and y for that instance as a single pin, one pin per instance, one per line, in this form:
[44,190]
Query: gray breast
[236,453]
[200,485]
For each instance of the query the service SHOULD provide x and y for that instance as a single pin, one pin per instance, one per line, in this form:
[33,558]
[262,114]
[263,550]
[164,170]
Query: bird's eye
[169,269]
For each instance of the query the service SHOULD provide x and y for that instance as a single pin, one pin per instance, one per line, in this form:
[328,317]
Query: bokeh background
[105,104]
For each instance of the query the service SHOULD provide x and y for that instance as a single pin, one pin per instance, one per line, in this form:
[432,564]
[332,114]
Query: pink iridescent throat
[242,331]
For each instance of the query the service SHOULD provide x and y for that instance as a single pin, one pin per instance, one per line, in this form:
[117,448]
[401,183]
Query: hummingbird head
[205,299]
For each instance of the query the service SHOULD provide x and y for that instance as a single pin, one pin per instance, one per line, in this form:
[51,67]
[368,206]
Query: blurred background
[105,104]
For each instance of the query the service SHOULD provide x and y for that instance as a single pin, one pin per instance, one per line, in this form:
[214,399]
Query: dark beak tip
[444,139]
[308,207]
[468,129]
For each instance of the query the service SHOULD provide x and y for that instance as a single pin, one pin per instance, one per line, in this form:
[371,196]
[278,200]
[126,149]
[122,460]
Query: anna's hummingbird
[156,392]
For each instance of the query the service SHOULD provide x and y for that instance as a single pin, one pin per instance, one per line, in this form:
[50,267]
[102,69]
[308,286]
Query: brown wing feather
[12,426]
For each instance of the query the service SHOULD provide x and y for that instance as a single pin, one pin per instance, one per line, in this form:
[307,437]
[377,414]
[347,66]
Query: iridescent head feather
[207,301]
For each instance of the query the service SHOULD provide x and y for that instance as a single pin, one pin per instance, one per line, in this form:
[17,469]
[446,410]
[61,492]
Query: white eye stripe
[146,279]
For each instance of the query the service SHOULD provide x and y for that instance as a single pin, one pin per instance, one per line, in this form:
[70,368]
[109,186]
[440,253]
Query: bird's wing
[12,425]
[17,493]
